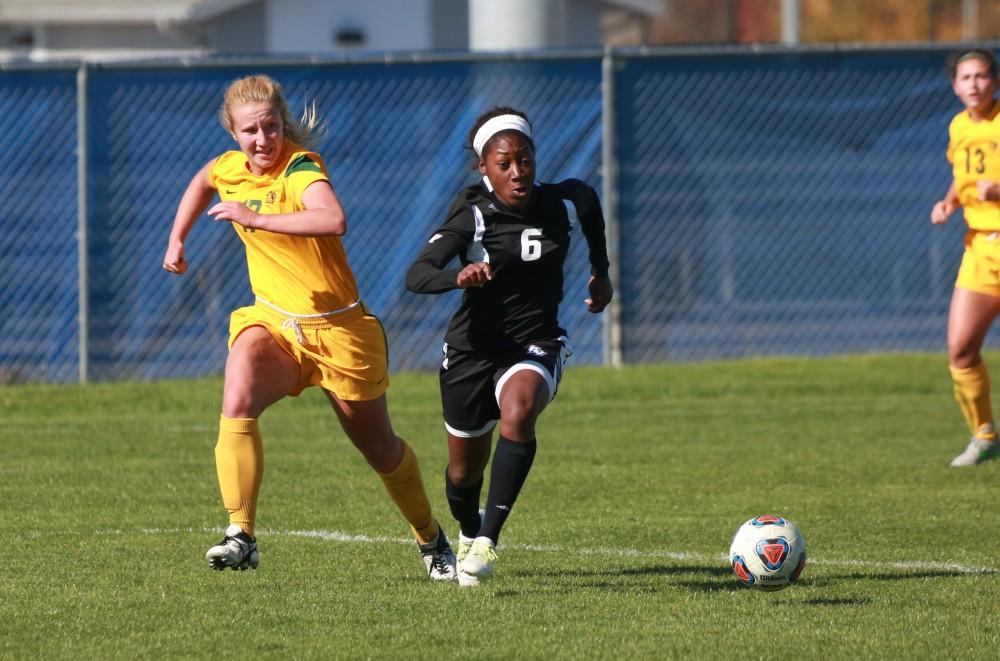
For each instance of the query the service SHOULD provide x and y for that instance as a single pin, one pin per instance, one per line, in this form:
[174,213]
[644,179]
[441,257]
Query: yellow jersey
[974,153]
[301,275]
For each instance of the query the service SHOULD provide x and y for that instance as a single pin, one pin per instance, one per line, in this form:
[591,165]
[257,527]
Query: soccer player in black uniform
[504,349]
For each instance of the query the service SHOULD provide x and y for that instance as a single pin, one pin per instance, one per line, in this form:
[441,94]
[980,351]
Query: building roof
[114,11]
[650,7]
[169,11]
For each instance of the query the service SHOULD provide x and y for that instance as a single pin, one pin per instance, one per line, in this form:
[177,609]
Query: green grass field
[616,549]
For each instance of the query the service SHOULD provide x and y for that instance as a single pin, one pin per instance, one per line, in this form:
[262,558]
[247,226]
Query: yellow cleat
[477,563]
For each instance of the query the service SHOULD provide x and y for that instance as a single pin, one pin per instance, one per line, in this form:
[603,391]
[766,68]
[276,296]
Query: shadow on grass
[841,601]
[654,570]
[825,580]
[703,578]
[627,579]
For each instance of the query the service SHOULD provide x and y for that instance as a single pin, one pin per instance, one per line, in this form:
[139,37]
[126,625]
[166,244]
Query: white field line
[608,552]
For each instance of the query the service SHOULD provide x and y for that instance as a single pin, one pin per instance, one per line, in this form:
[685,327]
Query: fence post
[611,319]
[83,286]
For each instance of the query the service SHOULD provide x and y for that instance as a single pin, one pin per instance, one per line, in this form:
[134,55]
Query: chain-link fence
[39,333]
[771,203]
[779,204]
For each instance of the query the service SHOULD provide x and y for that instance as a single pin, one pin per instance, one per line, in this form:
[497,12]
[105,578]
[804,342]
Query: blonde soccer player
[974,154]
[308,325]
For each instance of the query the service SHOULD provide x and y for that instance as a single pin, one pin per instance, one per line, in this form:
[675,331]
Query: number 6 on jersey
[531,249]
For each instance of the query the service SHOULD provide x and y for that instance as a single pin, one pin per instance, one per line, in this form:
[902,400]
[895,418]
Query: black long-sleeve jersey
[526,251]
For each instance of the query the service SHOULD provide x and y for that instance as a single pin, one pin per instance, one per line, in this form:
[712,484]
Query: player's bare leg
[523,397]
[258,373]
[969,320]
[368,426]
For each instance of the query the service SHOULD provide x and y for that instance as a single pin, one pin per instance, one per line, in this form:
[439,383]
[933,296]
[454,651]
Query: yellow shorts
[980,269]
[345,353]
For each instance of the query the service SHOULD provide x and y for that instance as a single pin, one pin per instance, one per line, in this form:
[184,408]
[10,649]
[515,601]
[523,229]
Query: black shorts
[471,381]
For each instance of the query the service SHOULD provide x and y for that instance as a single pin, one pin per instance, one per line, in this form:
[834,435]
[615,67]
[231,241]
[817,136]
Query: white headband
[496,124]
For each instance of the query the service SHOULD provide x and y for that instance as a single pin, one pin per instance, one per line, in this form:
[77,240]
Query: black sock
[511,463]
[464,503]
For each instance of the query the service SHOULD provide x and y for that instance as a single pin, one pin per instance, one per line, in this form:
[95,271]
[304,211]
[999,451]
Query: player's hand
[236,212]
[989,191]
[601,293]
[941,211]
[173,260]
[474,275]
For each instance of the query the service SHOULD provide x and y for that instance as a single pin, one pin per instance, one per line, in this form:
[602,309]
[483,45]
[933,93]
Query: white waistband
[309,316]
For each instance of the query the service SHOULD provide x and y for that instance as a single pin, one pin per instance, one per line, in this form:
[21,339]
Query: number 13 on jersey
[981,158]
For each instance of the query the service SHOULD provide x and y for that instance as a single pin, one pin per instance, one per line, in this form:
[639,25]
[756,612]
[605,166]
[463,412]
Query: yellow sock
[407,490]
[239,463]
[972,392]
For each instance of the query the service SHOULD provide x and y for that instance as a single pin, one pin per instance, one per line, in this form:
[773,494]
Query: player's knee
[963,355]
[520,411]
[518,423]
[383,450]
[464,475]
[238,403]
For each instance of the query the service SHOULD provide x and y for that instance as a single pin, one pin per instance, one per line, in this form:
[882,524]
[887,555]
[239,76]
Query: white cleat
[438,558]
[976,452]
[237,550]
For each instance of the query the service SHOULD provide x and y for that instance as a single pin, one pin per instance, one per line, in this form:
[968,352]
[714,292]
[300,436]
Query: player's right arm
[429,275]
[945,206]
[196,198]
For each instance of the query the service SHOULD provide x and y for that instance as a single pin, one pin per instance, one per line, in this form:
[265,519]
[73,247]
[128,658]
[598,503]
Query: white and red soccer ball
[768,553]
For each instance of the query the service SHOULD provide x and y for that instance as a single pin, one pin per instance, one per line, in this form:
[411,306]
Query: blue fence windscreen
[768,203]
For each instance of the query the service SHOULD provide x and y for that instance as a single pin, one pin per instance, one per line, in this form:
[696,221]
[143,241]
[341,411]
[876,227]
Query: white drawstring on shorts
[292,320]
[294,325]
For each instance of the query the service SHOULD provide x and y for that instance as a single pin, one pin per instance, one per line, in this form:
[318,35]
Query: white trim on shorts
[469,434]
[527,365]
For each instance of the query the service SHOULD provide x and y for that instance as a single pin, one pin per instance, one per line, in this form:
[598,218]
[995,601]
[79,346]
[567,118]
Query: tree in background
[822,21]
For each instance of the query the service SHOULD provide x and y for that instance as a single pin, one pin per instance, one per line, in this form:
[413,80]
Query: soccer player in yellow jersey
[974,153]
[308,326]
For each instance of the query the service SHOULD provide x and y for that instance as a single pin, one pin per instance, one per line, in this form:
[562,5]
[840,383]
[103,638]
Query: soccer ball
[768,553]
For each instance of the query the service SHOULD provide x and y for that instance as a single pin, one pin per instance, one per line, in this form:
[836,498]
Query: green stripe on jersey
[303,163]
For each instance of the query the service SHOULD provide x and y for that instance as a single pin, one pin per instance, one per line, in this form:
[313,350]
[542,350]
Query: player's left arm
[591,217]
[322,216]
